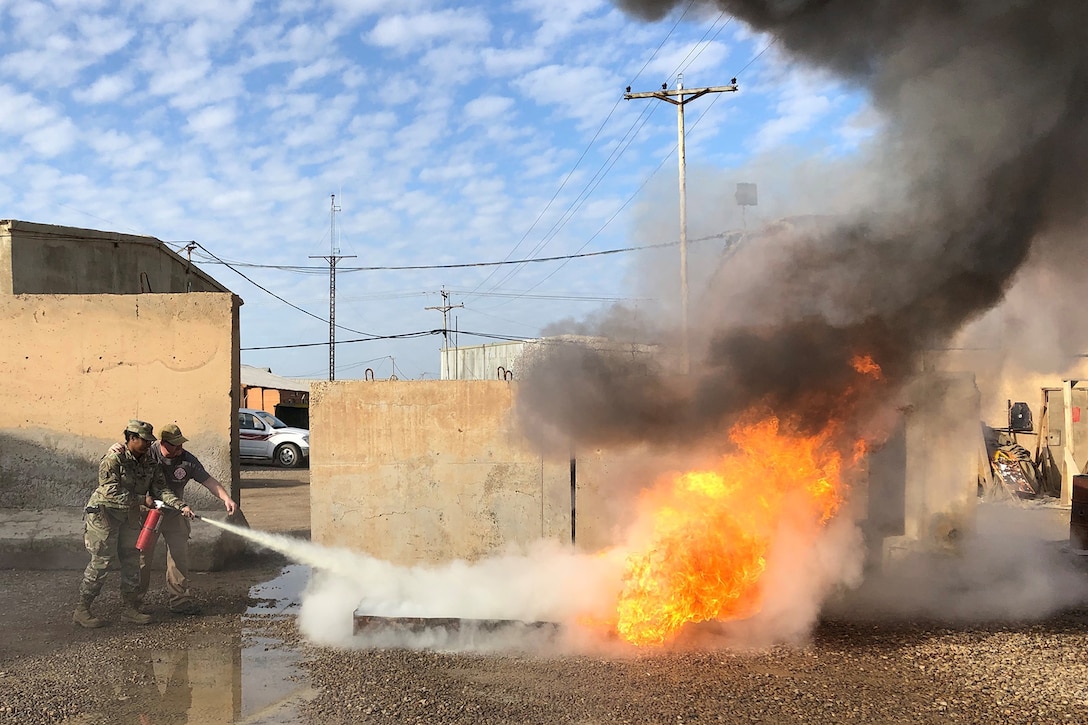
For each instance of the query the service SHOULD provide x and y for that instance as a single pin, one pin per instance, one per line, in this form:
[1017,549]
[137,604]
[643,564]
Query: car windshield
[271,419]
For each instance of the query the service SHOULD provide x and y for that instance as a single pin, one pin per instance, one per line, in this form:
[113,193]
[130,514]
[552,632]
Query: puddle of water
[239,674]
[272,685]
[282,594]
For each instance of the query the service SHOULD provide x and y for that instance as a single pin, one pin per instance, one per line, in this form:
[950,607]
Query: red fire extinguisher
[150,529]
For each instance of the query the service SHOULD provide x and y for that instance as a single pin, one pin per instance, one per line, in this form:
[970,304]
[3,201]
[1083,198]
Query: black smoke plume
[984,149]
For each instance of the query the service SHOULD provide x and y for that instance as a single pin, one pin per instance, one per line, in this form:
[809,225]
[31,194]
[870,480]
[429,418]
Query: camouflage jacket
[124,481]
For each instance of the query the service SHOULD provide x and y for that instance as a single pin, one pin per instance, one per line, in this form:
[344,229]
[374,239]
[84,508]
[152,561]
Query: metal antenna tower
[333,258]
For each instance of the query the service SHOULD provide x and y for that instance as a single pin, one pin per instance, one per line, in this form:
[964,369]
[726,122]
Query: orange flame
[711,530]
[865,365]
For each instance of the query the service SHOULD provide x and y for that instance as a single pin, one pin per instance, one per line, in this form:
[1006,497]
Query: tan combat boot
[130,611]
[83,616]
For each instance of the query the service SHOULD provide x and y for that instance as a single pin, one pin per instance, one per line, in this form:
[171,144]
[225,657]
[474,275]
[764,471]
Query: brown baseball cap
[142,429]
[171,434]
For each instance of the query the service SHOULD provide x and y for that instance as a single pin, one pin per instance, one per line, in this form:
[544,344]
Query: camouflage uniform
[111,531]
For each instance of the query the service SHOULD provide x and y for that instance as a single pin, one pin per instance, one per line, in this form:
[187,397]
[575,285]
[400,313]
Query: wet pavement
[272,684]
[236,663]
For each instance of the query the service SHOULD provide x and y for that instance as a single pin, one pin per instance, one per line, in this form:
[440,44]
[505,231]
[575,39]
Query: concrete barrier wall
[923,481]
[418,472]
[76,368]
[431,471]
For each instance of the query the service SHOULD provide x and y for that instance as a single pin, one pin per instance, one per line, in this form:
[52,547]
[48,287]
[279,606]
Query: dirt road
[276,499]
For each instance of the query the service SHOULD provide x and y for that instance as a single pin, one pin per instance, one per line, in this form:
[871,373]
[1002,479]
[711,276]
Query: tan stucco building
[100,328]
[49,259]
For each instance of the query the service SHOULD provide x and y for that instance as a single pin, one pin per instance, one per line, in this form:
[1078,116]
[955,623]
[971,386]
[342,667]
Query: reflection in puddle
[241,673]
[272,684]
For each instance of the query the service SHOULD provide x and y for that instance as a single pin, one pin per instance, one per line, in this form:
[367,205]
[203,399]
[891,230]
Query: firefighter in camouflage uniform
[112,522]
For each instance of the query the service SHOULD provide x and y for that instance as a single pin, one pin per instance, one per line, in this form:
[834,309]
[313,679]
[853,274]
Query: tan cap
[171,434]
[142,429]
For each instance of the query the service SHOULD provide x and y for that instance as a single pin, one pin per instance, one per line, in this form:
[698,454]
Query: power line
[701,45]
[580,199]
[577,163]
[758,55]
[402,336]
[463,265]
[658,168]
[591,186]
[265,289]
[564,298]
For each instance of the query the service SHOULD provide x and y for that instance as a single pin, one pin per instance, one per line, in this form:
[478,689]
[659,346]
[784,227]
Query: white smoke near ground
[1013,566]
[542,594]
[521,601]
[550,601]
[546,600]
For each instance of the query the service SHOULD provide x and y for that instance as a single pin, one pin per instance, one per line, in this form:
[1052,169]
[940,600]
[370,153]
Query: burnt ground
[850,672]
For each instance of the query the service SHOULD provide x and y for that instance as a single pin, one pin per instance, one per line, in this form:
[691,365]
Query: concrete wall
[943,436]
[923,482]
[508,360]
[482,362]
[48,259]
[76,368]
[430,471]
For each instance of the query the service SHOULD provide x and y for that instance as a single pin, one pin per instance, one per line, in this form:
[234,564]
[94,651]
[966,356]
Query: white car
[263,436]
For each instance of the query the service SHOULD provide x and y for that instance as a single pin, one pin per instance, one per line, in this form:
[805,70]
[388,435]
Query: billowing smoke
[983,151]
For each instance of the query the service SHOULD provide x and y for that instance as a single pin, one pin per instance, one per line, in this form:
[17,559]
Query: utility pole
[188,264]
[680,97]
[332,259]
[445,308]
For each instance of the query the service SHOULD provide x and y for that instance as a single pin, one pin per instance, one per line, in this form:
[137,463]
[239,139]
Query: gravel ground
[851,671]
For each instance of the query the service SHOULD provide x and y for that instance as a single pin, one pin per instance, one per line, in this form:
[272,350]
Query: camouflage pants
[110,536]
[175,530]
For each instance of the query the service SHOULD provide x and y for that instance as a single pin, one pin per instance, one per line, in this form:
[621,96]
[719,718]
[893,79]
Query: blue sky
[450,134]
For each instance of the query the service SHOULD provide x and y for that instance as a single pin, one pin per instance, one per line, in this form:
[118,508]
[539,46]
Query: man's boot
[130,611]
[83,616]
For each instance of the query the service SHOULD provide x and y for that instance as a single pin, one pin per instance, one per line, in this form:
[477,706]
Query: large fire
[710,531]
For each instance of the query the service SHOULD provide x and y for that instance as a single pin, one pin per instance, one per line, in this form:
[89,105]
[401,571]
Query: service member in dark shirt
[179,466]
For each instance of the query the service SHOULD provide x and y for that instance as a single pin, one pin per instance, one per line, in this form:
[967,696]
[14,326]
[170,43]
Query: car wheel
[288,455]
